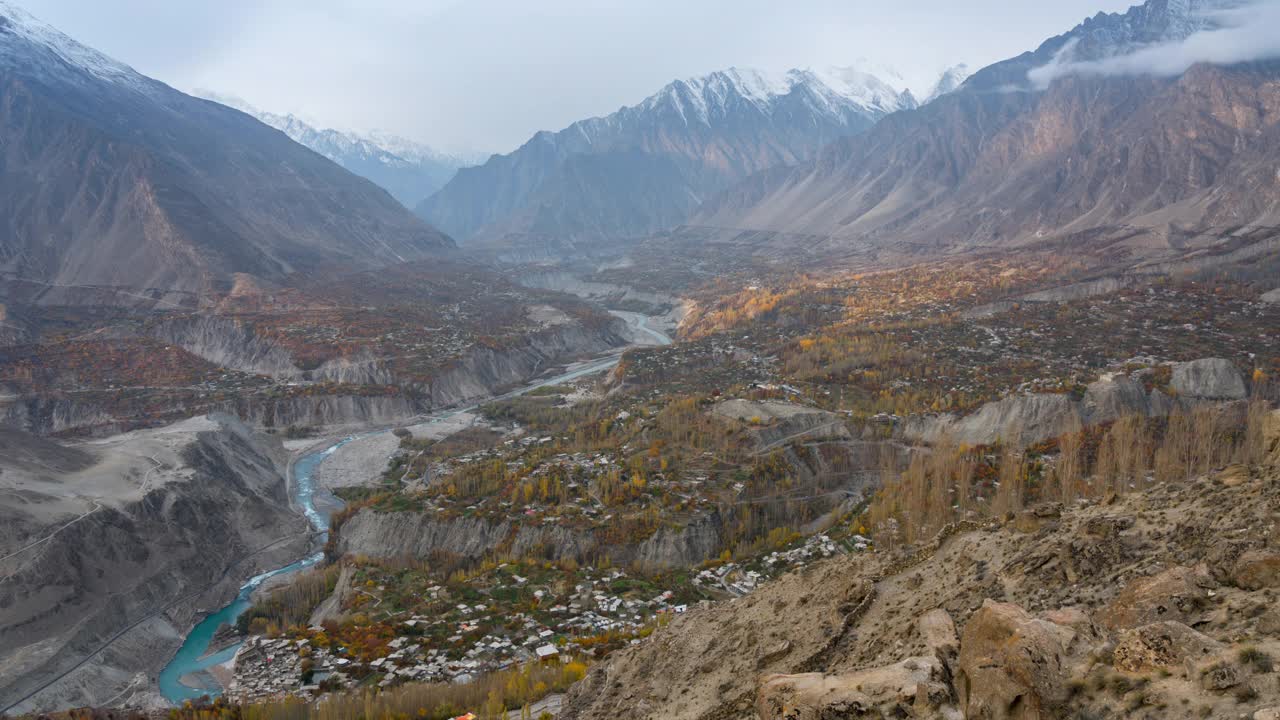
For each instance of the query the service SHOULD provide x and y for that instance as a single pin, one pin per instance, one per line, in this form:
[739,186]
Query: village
[511,620]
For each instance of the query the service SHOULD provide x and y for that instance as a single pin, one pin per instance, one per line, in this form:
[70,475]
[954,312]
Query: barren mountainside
[1002,162]
[1171,158]
[648,166]
[110,178]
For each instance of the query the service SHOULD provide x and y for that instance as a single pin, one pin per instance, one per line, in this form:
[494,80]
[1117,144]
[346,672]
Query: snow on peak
[883,90]
[950,79]
[420,152]
[23,38]
[703,98]
[342,146]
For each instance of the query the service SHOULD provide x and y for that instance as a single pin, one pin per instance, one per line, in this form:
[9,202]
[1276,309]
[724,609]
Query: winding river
[193,658]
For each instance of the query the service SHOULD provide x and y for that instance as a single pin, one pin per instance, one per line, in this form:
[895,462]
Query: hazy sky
[485,74]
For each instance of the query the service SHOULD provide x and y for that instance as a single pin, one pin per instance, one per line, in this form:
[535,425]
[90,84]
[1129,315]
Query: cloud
[486,74]
[1243,34]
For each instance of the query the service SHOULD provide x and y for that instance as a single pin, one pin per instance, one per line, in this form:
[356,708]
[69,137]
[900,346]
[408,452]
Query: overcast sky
[485,74]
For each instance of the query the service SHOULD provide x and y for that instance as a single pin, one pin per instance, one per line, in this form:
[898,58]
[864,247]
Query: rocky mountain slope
[109,548]
[648,166]
[1156,604]
[1155,161]
[410,171]
[110,178]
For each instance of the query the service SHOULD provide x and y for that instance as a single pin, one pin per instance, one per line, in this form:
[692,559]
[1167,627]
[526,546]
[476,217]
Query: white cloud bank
[1244,34]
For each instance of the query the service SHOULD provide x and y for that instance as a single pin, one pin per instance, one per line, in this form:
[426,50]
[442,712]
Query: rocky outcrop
[360,369]
[319,410]
[1012,665]
[1032,418]
[228,343]
[178,517]
[1116,396]
[484,370]
[682,547]
[1019,418]
[389,535]
[776,423]
[1209,379]
[1257,570]
[408,534]
[1179,594]
[54,414]
[913,688]
[1161,646]
[1271,297]
[918,687]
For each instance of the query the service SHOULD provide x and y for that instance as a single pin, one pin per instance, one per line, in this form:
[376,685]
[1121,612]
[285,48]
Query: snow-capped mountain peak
[883,91]
[409,170]
[950,80]
[34,45]
[705,98]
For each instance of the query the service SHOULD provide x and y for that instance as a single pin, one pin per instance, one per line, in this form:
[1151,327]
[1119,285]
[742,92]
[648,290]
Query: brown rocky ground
[1151,605]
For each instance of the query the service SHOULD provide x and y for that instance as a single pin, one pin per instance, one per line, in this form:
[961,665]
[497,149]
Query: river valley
[187,676]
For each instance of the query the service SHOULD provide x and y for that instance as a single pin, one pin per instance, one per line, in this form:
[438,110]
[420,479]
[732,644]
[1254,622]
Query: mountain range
[407,169]
[110,178]
[650,165]
[1156,161]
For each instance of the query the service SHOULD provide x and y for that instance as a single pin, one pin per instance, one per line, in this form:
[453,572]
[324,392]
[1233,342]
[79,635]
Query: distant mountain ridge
[999,162]
[110,178]
[648,166]
[409,170]
[1107,35]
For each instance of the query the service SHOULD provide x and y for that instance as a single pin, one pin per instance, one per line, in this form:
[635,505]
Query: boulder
[1209,379]
[1271,713]
[938,632]
[880,692]
[1085,632]
[1012,666]
[1257,569]
[1220,675]
[1113,397]
[1178,594]
[1161,645]
[1271,297]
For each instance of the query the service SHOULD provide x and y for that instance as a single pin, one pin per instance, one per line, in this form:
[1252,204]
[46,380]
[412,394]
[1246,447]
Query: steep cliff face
[227,342]
[393,535]
[100,588]
[478,374]
[1029,419]
[484,370]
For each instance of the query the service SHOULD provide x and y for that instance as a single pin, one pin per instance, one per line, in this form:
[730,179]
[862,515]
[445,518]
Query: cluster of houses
[480,641]
[741,578]
[450,641]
